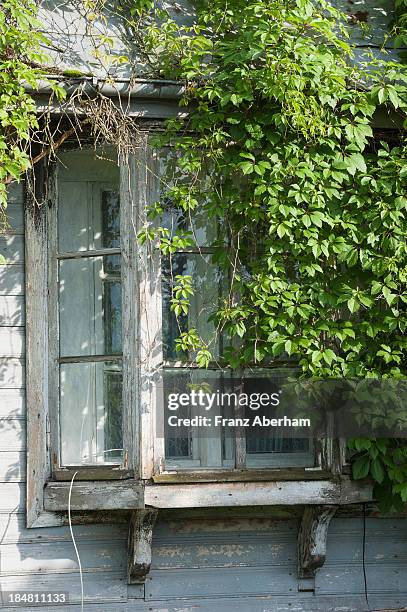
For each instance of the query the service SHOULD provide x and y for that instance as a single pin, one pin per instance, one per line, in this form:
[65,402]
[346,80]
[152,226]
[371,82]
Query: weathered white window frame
[145,482]
[42,355]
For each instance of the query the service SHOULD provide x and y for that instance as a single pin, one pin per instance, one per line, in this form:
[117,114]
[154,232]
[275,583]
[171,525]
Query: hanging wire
[363,555]
[73,538]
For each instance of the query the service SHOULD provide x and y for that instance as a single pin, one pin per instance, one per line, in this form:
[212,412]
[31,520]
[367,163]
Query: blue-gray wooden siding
[207,565]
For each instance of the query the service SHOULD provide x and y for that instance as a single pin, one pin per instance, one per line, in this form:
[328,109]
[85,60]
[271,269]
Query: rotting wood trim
[133,494]
[38,468]
[140,537]
[92,473]
[311,544]
[94,495]
[232,494]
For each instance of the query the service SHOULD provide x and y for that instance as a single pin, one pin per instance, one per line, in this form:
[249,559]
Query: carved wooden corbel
[312,537]
[141,527]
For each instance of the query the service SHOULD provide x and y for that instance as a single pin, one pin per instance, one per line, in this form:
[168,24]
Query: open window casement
[101,337]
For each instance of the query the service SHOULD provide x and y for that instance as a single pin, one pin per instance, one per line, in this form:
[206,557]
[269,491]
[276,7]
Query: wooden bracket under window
[312,538]
[139,544]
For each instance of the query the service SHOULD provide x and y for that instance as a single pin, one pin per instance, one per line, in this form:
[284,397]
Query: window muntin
[88,263]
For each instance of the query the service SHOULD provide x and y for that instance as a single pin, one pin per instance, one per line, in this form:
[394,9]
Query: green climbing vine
[21,65]
[399,26]
[309,195]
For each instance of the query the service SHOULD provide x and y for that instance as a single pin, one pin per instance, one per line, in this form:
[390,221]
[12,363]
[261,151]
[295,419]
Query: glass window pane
[112,306]
[110,219]
[88,216]
[206,282]
[204,230]
[191,445]
[262,443]
[89,307]
[91,413]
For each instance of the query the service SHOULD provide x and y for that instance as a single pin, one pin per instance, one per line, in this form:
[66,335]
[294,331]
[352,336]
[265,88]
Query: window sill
[89,473]
[131,494]
[174,476]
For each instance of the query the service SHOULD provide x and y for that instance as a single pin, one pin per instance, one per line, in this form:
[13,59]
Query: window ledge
[94,495]
[131,494]
[178,476]
[339,491]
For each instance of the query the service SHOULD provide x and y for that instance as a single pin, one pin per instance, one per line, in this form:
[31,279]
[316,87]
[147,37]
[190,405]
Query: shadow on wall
[75,40]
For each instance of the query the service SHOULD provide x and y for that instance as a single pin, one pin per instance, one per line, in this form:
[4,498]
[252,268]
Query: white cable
[73,538]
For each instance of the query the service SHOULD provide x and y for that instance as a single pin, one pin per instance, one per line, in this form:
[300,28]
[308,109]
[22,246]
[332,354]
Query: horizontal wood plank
[276,546]
[13,529]
[348,577]
[168,584]
[103,495]
[12,466]
[15,194]
[253,494]
[266,603]
[12,248]
[99,586]
[249,475]
[12,280]
[12,497]
[128,494]
[15,216]
[12,435]
[12,373]
[47,558]
[12,403]
[12,342]
[12,310]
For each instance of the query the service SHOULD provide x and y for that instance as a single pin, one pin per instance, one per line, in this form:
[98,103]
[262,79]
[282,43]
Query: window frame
[55,257]
[42,365]
[142,364]
[329,455]
[127,469]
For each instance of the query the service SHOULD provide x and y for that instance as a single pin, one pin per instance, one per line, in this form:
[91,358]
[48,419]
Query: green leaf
[365,300]
[246,167]
[360,468]
[353,304]
[388,295]
[377,470]
[359,161]
[288,347]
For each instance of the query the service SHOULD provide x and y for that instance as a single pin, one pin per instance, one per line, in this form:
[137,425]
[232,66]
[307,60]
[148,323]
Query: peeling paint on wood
[102,495]
[252,494]
[141,527]
[312,538]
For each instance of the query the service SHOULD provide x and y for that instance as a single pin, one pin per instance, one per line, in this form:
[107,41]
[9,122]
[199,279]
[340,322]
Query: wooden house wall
[221,563]
[218,563]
